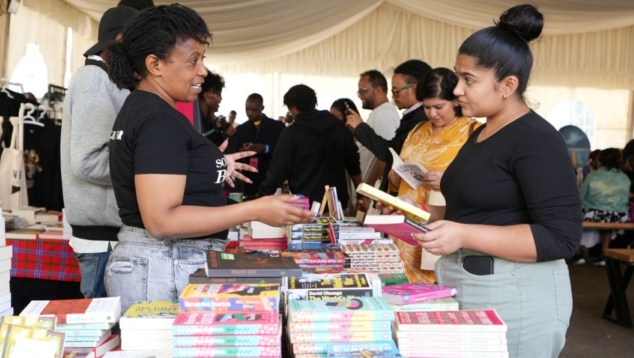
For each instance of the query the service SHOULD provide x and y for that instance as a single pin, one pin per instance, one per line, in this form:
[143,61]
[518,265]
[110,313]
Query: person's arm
[280,166]
[160,198]
[93,115]
[376,172]
[548,184]
[366,135]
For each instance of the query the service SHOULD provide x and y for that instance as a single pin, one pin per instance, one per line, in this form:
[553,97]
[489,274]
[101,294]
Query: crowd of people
[499,196]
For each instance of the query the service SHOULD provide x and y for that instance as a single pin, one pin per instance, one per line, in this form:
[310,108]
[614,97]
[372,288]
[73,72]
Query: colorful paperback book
[440,335]
[453,343]
[360,309]
[189,352]
[339,326]
[441,304]
[22,341]
[199,276]
[385,346]
[150,315]
[83,310]
[46,322]
[414,213]
[364,353]
[364,336]
[155,353]
[465,320]
[227,341]
[454,354]
[230,297]
[205,323]
[397,226]
[424,347]
[95,352]
[413,292]
[222,264]
[311,348]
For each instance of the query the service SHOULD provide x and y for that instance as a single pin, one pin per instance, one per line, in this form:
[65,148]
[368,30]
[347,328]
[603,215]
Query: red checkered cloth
[46,259]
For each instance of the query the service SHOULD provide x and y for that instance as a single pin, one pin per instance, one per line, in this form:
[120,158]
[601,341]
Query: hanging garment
[13,193]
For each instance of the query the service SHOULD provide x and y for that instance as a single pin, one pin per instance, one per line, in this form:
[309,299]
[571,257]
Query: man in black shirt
[315,151]
[260,134]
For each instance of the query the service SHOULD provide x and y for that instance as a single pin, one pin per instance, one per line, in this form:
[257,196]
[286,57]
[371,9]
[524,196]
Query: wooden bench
[608,226]
[619,281]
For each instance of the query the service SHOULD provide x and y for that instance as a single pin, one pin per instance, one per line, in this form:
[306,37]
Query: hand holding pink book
[413,292]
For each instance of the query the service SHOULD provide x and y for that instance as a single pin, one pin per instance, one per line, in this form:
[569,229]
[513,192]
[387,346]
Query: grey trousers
[533,299]
[142,267]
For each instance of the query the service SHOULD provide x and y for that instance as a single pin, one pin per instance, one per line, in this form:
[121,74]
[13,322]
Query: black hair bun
[525,20]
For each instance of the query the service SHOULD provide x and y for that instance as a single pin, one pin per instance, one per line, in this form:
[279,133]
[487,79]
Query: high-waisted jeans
[142,267]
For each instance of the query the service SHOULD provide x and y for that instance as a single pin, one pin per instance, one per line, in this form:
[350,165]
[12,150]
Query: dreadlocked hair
[412,70]
[302,97]
[155,31]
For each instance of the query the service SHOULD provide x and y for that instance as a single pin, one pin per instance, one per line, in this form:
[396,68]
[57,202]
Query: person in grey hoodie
[315,151]
[91,105]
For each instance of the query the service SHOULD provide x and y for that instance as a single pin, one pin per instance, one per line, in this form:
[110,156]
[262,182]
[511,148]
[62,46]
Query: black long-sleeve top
[380,147]
[522,174]
[316,150]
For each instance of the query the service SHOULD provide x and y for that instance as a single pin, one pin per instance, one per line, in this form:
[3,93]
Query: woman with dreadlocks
[168,178]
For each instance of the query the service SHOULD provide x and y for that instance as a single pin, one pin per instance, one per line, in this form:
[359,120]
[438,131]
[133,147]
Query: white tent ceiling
[273,28]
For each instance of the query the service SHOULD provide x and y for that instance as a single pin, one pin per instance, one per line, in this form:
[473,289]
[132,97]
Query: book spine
[230,280]
[254,272]
[346,348]
[309,348]
[187,352]
[321,316]
[337,294]
[255,304]
[377,326]
[367,336]
[95,317]
[404,298]
[451,342]
[453,354]
[226,341]
[415,336]
[311,355]
[299,246]
[452,347]
[450,328]
[200,330]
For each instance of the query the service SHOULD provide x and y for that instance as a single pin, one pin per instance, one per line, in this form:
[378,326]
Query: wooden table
[619,281]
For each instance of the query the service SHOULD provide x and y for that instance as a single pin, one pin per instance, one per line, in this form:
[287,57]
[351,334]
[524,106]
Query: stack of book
[467,333]
[313,325]
[329,287]
[354,234]
[86,322]
[228,320]
[377,258]
[249,243]
[362,350]
[420,296]
[329,258]
[147,325]
[6,252]
[311,236]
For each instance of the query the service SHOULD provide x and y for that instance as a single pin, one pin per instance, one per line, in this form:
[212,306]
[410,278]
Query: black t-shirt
[522,174]
[151,137]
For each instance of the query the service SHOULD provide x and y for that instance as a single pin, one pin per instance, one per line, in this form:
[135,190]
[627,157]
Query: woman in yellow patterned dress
[432,144]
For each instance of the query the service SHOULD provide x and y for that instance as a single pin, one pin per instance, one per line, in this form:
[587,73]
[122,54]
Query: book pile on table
[377,258]
[86,322]
[466,333]
[228,320]
[311,236]
[420,296]
[313,325]
[6,252]
[147,325]
[331,286]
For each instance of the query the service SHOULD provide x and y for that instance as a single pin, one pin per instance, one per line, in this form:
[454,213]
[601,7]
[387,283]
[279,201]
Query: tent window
[31,72]
[576,113]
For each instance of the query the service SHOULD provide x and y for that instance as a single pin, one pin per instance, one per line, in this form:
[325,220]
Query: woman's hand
[444,238]
[233,166]
[432,179]
[390,210]
[276,211]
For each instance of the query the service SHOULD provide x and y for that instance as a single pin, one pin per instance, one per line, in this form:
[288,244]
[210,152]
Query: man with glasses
[404,82]
[384,120]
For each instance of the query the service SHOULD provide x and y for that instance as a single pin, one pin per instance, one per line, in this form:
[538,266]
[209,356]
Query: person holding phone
[513,204]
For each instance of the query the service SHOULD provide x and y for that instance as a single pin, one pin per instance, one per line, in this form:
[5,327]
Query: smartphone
[478,265]
[345,104]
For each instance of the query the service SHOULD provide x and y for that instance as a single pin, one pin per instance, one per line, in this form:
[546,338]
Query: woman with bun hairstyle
[513,207]
[167,178]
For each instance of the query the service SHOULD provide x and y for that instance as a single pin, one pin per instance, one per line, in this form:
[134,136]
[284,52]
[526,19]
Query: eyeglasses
[395,92]
[361,90]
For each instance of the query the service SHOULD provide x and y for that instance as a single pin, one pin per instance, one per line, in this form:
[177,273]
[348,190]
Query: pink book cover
[464,320]
[401,230]
[406,293]
[201,323]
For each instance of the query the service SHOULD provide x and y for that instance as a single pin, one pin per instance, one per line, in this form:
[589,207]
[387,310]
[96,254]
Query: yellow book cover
[47,322]
[23,342]
[412,212]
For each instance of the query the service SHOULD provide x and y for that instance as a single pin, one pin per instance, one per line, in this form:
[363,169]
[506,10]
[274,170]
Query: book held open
[413,173]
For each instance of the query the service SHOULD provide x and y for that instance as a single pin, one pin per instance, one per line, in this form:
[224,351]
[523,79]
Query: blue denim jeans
[142,267]
[92,267]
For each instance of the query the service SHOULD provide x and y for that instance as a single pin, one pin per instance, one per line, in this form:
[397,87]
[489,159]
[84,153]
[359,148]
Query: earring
[505,97]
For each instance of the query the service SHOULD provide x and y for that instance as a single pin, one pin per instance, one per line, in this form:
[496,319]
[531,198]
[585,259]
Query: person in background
[168,179]
[232,116]
[404,83]
[513,206]
[137,4]
[91,105]
[339,107]
[605,196]
[432,144]
[209,99]
[317,150]
[259,134]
